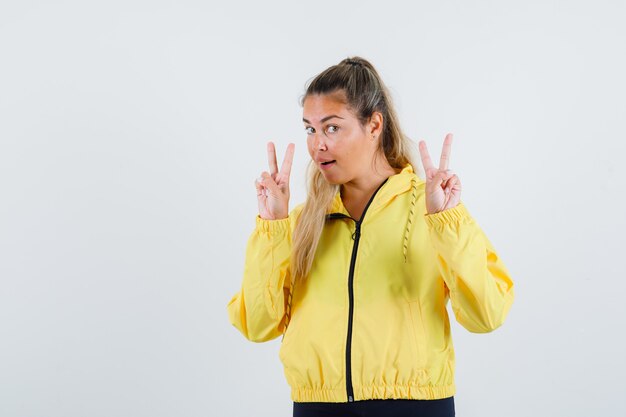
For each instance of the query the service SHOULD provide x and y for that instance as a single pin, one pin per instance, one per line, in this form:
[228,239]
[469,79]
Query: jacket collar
[404,181]
[395,185]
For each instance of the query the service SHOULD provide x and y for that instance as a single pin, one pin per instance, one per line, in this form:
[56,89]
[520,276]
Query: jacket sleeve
[481,290]
[258,309]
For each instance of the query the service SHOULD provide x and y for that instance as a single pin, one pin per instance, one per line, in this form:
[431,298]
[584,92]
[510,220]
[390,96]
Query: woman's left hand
[443,188]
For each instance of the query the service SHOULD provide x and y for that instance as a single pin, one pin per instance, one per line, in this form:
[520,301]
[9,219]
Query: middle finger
[271,158]
[445,152]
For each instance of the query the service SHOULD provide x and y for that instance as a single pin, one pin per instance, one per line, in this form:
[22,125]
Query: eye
[309,130]
[333,128]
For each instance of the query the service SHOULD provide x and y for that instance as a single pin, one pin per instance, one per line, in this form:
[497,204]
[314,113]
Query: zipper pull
[350,399]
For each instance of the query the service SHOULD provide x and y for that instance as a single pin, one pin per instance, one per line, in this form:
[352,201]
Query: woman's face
[335,134]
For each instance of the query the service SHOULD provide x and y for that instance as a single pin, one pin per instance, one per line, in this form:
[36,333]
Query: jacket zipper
[356,236]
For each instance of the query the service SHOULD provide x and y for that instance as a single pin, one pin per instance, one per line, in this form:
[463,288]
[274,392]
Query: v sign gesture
[272,189]
[443,188]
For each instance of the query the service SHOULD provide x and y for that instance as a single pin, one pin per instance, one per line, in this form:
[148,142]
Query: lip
[327,166]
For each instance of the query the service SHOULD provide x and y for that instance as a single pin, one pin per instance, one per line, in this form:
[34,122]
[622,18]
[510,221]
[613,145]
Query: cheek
[354,148]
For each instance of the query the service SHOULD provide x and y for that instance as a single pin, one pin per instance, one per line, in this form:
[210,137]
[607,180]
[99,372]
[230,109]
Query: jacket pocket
[418,331]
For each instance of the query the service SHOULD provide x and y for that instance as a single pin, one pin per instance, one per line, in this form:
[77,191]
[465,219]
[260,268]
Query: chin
[333,180]
[328,178]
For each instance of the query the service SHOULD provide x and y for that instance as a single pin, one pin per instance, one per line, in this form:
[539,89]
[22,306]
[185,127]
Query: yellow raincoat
[370,321]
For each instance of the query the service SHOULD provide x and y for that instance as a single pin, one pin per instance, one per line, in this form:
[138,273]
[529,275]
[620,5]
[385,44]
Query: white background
[130,137]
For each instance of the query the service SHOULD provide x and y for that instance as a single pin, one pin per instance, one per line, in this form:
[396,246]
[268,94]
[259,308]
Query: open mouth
[328,163]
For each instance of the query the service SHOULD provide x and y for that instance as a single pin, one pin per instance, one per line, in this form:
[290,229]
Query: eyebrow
[324,119]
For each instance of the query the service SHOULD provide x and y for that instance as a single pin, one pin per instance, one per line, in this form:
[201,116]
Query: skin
[443,188]
[272,188]
[360,167]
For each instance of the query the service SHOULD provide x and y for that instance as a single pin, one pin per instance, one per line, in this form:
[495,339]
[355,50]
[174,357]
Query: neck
[362,187]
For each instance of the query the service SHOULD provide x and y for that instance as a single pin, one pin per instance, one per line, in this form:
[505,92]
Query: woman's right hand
[272,189]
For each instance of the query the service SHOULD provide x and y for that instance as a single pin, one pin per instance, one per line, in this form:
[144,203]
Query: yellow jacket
[370,321]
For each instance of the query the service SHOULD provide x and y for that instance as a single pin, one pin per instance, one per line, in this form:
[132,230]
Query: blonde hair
[365,94]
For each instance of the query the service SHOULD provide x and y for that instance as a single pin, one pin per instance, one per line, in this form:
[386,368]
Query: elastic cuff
[457,214]
[272,226]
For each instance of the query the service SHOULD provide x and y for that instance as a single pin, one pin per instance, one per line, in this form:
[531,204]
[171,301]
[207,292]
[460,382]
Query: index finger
[445,152]
[271,158]
[426,161]
[285,168]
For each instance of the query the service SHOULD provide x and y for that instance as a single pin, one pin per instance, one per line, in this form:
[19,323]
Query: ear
[375,125]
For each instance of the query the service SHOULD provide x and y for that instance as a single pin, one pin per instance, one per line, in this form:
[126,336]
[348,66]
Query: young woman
[357,278]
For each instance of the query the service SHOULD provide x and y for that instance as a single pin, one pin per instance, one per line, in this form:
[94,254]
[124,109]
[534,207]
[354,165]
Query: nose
[319,142]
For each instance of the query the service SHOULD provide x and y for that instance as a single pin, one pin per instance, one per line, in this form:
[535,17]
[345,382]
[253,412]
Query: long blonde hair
[365,93]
